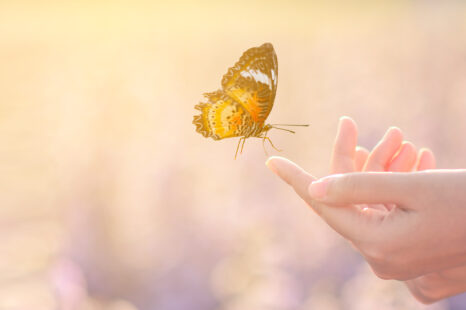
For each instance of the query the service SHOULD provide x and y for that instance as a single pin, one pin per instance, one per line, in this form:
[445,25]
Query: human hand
[396,237]
[391,154]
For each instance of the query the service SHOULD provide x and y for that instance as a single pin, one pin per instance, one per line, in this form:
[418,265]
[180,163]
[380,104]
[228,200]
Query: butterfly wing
[245,101]
[252,81]
[222,117]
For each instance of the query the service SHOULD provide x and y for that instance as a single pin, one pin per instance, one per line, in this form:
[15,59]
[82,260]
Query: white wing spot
[257,75]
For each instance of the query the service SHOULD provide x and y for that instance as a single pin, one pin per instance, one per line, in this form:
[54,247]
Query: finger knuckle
[382,274]
[428,287]
[423,290]
[346,186]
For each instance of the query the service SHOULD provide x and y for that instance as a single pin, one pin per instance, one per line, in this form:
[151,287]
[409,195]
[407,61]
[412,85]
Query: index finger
[348,220]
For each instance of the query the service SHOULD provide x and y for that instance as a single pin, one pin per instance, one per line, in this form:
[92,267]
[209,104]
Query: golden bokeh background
[111,200]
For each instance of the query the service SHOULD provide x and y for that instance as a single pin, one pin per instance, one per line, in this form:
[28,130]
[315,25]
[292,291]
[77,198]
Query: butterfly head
[266,128]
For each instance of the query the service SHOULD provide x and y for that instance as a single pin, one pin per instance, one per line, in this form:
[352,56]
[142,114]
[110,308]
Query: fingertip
[362,149]
[345,118]
[405,159]
[362,152]
[270,163]
[426,159]
[274,160]
[281,166]
[394,133]
[428,152]
[410,151]
[409,145]
[360,157]
[347,123]
[407,149]
[277,164]
[385,150]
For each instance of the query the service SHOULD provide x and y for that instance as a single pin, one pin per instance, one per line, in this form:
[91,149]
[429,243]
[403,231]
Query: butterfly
[241,106]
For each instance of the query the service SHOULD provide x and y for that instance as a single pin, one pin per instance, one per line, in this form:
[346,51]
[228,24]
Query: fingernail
[318,188]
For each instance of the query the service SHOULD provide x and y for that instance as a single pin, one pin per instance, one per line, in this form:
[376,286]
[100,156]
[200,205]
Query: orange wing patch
[254,104]
[221,117]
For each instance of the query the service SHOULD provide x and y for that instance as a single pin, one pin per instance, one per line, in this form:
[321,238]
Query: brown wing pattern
[252,81]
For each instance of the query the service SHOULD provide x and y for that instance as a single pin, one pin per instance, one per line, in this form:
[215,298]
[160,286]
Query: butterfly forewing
[252,81]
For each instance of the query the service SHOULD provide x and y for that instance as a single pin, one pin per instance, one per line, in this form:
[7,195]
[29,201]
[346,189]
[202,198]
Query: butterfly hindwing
[222,117]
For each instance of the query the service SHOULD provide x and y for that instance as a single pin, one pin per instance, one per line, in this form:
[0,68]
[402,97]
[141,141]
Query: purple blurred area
[111,200]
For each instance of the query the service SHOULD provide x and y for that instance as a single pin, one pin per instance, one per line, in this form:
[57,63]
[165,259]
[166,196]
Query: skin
[406,219]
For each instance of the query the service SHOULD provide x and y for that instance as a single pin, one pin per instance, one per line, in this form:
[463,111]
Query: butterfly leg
[242,146]
[237,148]
[268,139]
[263,145]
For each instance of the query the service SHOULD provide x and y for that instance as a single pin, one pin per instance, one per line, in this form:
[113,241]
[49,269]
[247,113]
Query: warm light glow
[111,200]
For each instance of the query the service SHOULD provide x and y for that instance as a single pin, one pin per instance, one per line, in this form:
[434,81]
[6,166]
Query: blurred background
[111,200]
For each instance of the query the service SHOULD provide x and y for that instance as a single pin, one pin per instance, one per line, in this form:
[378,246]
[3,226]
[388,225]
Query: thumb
[363,188]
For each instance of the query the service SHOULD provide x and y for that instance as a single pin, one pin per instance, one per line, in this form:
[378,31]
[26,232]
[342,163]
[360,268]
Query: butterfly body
[241,106]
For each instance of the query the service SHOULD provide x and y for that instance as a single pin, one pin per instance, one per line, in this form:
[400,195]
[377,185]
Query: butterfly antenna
[296,125]
[283,129]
